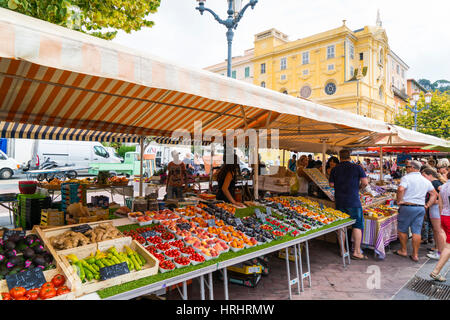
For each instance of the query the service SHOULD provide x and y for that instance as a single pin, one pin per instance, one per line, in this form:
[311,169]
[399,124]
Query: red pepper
[47,293]
[17,292]
[32,294]
[6,296]
[58,280]
[62,290]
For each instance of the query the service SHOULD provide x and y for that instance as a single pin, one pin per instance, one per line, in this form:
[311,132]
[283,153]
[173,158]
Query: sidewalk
[330,281]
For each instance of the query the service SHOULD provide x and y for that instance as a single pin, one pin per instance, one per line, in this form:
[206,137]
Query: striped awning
[30,131]
[53,76]
[180,141]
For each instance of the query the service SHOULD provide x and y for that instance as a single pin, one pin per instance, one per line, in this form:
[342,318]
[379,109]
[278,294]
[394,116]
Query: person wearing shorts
[347,179]
[444,208]
[411,198]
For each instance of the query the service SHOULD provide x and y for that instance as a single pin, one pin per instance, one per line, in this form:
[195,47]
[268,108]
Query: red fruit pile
[182,260]
[187,250]
[172,253]
[167,265]
[197,257]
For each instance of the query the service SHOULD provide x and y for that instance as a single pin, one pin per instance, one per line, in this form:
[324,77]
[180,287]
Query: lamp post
[235,15]
[413,102]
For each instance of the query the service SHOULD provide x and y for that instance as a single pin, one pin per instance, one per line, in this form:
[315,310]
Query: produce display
[18,254]
[88,269]
[71,239]
[379,212]
[48,290]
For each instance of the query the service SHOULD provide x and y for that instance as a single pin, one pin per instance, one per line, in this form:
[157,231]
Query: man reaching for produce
[347,179]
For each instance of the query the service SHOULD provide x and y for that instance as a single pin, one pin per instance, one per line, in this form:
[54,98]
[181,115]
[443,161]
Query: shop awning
[30,131]
[53,76]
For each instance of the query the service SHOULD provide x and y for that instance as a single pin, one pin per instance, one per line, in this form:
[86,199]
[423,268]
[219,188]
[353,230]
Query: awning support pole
[324,151]
[381,165]
[255,171]
[141,177]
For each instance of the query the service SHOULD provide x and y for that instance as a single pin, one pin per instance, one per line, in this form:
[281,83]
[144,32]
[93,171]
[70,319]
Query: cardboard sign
[8,233]
[211,223]
[147,234]
[114,271]
[298,223]
[280,206]
[239,222]
[81,229]
[29,279]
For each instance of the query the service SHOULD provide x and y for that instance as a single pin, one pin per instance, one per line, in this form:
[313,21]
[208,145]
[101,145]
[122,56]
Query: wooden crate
[47,233]
[149,269]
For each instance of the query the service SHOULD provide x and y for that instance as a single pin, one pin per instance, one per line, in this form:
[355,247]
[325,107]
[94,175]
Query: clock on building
[305,92]
[330,88]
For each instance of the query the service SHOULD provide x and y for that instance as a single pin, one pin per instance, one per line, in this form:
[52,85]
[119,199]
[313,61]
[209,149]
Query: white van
[74,153]
[8,166]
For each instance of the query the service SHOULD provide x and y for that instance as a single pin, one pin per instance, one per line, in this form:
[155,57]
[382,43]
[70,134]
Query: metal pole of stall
[141,172]
[288,273]
[381,165]
[225,283]
[255,171]
[324,150]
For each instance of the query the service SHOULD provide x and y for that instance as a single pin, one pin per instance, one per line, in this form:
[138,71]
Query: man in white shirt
[411,198]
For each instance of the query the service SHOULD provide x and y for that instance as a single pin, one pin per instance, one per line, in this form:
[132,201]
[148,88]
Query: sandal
[437,277]
[353,257]
[398,254]
[411,257]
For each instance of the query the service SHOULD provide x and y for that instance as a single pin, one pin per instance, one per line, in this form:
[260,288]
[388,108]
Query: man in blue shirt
[347,179]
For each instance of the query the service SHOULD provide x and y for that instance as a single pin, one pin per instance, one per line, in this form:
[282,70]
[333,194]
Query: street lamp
[413,102]
[235,14]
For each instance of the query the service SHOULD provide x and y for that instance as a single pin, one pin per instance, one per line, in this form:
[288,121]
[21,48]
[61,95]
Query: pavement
[371,279]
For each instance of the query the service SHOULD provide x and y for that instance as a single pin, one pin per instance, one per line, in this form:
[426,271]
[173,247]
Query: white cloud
[417,30]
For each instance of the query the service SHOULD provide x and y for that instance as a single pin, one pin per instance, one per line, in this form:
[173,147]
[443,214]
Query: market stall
[54,76]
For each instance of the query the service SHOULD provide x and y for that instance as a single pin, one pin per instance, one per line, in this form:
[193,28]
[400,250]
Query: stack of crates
[29,209]
[72,193]
[52,217]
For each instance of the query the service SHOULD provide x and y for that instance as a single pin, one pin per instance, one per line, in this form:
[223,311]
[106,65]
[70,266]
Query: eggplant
[39,260]
[10,253]
[31,238]
[16,261]
[29,253]
[38,249]
[9,245]
[14,238]
[48,257]
[2,258]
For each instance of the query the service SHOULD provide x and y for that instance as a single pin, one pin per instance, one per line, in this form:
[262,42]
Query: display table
[379,233]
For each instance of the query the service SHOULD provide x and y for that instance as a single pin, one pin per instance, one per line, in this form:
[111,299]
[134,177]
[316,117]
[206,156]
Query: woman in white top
[444,208]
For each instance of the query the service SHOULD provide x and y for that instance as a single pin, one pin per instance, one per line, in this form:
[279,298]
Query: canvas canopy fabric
[53,76]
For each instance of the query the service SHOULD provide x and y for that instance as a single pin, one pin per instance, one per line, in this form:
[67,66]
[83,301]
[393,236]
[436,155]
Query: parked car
[8,166]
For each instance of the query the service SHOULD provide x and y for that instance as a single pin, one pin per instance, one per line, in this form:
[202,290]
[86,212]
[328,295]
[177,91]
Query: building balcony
[400,93]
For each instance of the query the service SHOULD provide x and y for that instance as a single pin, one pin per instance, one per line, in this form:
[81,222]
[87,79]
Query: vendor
[302,177]
[176,177]
[292,164]
[226,179]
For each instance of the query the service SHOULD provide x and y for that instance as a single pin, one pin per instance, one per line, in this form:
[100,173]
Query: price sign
[113,271]
[147,234]
[298,223]
[269,211]
[29,279]
[211,223]
[81,229]
[8,233]
[239,222]
[280,206]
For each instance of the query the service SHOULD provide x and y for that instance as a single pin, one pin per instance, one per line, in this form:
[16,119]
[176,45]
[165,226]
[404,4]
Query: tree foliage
[434,121]
[101,18]
[441,85]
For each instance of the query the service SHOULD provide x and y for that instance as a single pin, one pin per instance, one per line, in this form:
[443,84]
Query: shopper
[444,208]
[292,164]
[176,178]
[347,179]
[411,199]
[311,162]
[226,179]
[331,163]
[433,213]
[443,167]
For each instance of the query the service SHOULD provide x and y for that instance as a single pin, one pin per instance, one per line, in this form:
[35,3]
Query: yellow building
[340,68]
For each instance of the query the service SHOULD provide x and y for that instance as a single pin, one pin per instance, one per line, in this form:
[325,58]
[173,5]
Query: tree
[441,85]
[434,121]
[101,18]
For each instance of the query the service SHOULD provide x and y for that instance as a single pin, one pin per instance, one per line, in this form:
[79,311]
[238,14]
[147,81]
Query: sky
[418,31]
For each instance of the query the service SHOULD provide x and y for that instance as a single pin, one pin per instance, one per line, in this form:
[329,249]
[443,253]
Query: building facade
[340,68]
[397,71]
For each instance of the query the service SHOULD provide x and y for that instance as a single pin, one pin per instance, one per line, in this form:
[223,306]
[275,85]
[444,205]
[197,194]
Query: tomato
[62,290]
[47,285]
[47,293]
[58,280]
[17,292]
[23,298]
[6,296]
[32,294]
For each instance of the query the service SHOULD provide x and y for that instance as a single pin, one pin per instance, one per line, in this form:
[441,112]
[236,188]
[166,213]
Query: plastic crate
[29,209]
